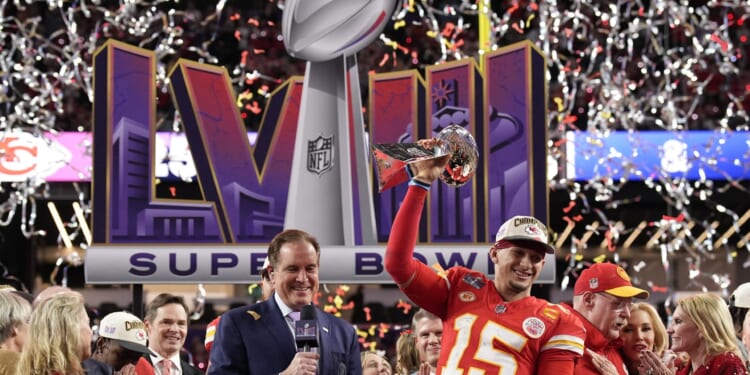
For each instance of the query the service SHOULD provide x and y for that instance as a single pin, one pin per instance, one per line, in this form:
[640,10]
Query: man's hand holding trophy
[452,156]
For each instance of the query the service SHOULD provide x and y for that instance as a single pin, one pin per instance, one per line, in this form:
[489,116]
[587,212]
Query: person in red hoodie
[603,298]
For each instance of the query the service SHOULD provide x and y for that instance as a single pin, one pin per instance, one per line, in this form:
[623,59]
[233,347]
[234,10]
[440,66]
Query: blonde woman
[407,358]
[61,337]
[701,327]
[644,331]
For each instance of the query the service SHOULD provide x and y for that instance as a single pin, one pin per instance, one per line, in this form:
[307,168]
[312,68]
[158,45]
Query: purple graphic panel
[396,116]
[126,210]
[516,165]
[245,186]
[246,183]
[454,100]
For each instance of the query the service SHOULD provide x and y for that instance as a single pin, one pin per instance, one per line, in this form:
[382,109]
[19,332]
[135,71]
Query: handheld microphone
[306,330]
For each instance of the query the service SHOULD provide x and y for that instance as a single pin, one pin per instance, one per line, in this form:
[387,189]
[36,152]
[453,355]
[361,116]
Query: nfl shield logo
[320,154]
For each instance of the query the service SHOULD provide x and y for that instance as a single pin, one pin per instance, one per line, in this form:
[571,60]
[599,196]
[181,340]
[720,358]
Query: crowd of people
[467,323]
[51,334]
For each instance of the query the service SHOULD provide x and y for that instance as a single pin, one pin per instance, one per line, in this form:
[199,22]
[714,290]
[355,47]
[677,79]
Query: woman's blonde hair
[407,357]
[661,339]
[711,315]
[56,339]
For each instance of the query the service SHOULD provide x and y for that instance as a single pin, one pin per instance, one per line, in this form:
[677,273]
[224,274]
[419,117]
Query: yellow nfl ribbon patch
[550,313]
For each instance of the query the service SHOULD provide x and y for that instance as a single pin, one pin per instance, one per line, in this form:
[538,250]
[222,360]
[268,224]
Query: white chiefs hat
[126,329]
[524,228]
[741,296]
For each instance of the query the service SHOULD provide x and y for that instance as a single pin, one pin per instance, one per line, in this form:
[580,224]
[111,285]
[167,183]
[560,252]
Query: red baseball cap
[608,278]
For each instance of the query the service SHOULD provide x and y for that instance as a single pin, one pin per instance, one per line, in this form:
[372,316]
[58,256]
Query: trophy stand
[323,198]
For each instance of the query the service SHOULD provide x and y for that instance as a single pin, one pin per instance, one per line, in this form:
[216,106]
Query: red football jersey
[483,334]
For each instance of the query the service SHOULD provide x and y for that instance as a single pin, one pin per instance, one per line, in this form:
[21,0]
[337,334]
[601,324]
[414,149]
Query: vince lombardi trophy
[330,149]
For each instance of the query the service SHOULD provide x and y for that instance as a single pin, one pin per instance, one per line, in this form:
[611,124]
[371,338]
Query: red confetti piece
[570,119]
[255,108]
[560,142]
[243,60]
[679,218]
[348,306]
[570,206]
[659,289]
[384,59]
[610,244]
[405,306]
[458,44]
[448,29]
[368,317]
[513,8]
[724,45]
[517,28]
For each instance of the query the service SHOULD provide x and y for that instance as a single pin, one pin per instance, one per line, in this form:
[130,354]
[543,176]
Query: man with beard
[489,325]
[603,297]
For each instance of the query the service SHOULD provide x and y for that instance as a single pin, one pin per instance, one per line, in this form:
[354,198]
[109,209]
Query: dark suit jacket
[256,340]
[187,369]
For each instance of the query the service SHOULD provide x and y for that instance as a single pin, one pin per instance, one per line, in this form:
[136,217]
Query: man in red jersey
[602,299]
[490,326]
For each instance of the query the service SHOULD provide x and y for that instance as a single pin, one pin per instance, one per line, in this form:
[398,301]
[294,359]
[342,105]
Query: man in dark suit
[166,323]
[258,339]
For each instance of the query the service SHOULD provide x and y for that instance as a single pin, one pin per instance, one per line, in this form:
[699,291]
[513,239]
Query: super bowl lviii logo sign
[253,191]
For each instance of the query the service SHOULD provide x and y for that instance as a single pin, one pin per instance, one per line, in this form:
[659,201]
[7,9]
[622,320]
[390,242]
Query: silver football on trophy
[460,144]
